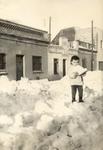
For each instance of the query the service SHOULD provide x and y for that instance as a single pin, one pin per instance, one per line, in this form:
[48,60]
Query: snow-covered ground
[39,115]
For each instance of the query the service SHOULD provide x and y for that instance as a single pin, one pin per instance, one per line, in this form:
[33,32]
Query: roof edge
[21,26]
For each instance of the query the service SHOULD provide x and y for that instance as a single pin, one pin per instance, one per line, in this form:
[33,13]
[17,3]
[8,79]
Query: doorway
[64,67]
[55,66]
[19,66]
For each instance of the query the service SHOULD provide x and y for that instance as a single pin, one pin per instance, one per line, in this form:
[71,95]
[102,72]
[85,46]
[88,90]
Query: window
[37,63]
[2,61]
[55,66]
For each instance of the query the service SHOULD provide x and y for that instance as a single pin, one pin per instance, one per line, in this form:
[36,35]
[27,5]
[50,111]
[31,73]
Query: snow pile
[24,85]
[7,86]
[39,115]
[5,121]
[44,122]
[31,87]
[94,80]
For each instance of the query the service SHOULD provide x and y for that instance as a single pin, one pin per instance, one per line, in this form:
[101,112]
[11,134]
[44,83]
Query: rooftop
[12,28]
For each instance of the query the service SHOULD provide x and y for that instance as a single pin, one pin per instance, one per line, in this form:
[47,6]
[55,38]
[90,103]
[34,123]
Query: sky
[64,13]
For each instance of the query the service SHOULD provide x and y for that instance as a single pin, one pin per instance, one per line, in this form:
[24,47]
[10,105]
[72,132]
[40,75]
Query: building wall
[85,55]
[85,35]
[14,47]
[83,52]
[100,49]
[69,33]
[100,60]
[56,52]
[63,42]
[59,53]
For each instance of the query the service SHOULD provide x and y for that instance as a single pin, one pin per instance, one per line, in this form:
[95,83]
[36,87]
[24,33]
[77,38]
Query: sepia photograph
[51,74]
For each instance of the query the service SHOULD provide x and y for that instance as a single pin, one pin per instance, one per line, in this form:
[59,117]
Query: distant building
[26,52]
[100,50]
[85,35]
[23,51]
[78,41]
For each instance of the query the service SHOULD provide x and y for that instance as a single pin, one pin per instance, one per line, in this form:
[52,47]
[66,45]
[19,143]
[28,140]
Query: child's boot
[81,101]
[73,100]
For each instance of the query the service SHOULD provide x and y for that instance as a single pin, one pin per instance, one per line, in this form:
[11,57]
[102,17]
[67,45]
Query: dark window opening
[2,61]
[37,63]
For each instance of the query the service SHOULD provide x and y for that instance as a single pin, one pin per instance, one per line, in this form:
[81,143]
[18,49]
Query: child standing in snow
[76,73]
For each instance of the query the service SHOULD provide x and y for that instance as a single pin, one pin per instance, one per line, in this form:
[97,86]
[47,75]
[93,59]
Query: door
[19,67]
[64,67]
[55,66]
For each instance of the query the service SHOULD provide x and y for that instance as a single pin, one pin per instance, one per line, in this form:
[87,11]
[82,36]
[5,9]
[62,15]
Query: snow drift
[39,115]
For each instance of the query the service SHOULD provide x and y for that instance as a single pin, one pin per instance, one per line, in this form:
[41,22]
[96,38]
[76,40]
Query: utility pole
[92,45]
[49,29]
